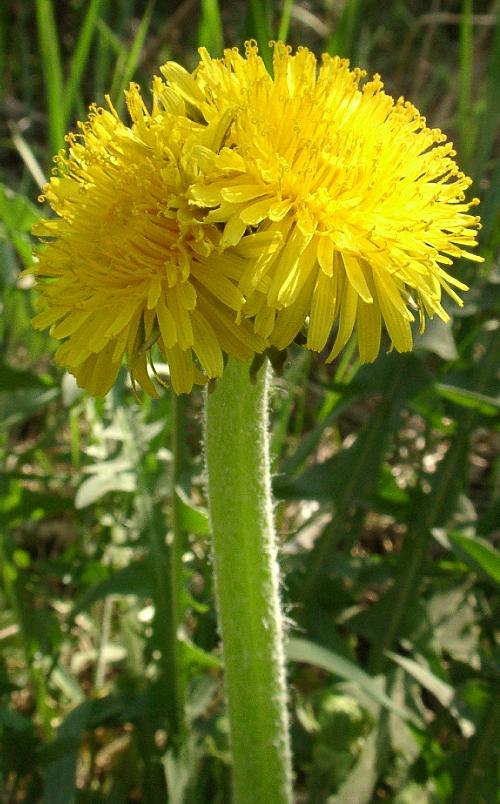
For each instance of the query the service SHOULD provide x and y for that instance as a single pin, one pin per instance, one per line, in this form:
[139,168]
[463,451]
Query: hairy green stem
[246,573]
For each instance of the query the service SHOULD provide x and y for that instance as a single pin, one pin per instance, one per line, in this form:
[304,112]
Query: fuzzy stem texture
[246,572]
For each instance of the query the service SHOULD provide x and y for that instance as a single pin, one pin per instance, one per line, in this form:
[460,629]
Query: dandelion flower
[128,261]
[364,204]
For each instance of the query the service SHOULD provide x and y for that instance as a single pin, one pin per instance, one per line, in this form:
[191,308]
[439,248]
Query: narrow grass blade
[259,26]
[488,121]
[210,33]
[465,127]
[125,74]
[342,41]
[3,39]
[80,57]
[52,71]
[284,26]
[105,54]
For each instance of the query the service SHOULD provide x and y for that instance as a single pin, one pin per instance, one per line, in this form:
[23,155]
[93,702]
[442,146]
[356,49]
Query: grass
[386,475]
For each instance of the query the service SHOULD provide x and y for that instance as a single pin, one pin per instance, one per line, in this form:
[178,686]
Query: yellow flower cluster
[241,209]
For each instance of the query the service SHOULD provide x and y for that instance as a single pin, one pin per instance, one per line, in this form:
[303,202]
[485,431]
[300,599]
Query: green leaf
[487,405]
[360,783]
[95,487]
[193,520]
[19,503]
[61,756]
[17,216]
[479,552]
[10,719]
[301,650]
[349,476]
[23,403]
[438,338]
[17,213]
[179,769]
[453,626]
[441,690]
[134,579]
[60,776]
[12,379]
[197,657]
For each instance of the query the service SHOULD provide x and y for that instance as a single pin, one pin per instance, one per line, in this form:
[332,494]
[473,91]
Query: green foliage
[387,476]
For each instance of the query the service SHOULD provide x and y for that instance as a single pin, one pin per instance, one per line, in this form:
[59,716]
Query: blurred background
[386,476]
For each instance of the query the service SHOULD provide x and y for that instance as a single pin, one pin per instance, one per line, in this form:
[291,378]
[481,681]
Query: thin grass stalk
[246,574]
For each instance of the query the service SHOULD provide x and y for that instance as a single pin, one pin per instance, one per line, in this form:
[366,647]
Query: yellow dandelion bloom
[363,204]
[128,261]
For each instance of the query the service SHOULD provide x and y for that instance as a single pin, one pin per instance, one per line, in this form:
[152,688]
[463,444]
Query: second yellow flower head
[242,209]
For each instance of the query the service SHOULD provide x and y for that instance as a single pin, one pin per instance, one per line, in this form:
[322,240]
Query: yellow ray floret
[128,262]
[363,204]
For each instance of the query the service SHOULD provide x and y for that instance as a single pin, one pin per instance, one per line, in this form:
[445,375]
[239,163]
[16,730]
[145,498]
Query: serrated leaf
[98,485]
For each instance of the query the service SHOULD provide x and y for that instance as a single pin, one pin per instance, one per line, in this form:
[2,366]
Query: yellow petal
[398,325]
[207,346]
[368,328]
[325,254]
[356,277]
[183,82]
[323,307]
[348,308]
